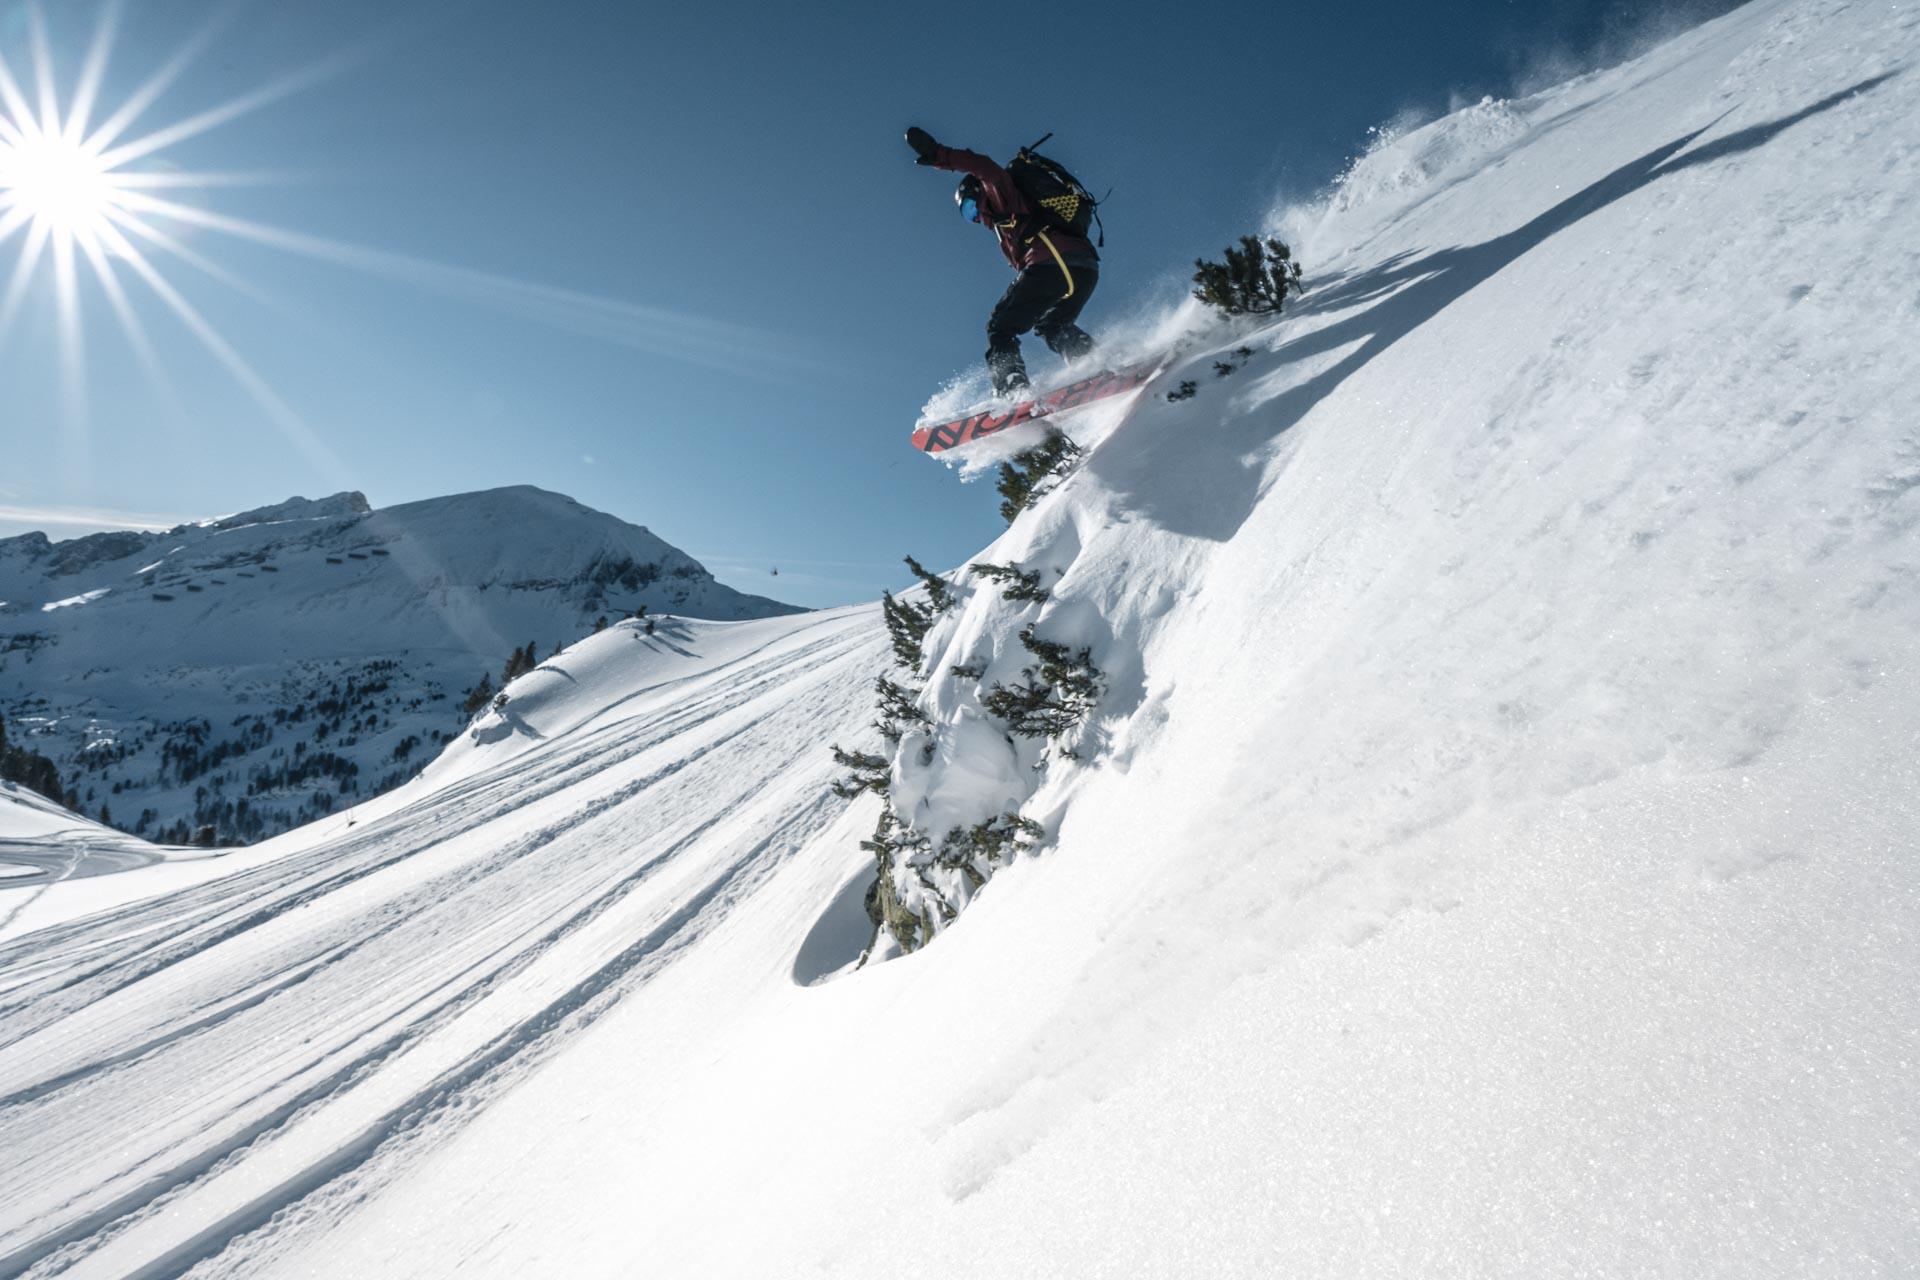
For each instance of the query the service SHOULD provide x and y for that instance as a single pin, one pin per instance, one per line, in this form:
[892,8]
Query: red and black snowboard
[940,437]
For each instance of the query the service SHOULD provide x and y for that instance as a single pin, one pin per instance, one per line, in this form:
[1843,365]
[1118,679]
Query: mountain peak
[349,502]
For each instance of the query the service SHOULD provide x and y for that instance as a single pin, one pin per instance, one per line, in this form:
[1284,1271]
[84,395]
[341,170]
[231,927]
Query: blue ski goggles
[970,210]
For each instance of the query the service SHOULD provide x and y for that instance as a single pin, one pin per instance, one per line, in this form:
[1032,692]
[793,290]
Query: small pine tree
[1254,280]
[994,841]
[907,625]
[600,624]
[1185,391]
[649,627]
[867,773]
[1016,583]
[522,661]
[1024,479]
[478,696]
[1055,694]
[898,710]
[939,592]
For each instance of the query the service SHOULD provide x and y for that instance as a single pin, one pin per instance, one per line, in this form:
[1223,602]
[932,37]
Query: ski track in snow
[1495,856]
[378,983]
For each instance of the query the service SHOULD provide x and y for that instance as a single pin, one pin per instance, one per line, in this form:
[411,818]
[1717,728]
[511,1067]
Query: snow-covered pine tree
[1024,478]
[1055,692]
[898,709]
[907,625]
[939,591]
[867,772]
[1017,584]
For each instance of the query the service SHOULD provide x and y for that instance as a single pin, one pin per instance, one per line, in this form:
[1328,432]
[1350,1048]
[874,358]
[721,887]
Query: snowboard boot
[1009,374]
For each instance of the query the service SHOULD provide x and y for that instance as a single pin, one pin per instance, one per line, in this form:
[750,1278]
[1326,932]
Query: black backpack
[1060,198]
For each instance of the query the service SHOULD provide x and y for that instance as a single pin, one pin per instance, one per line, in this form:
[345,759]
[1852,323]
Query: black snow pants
[1045,300]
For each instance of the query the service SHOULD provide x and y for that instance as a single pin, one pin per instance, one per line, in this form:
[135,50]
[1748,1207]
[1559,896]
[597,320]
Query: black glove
[923,144]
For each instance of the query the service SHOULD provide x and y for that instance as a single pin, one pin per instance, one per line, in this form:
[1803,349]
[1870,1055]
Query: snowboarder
[1058,269]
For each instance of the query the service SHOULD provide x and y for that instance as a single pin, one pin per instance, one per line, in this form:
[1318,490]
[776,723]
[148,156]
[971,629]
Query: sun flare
[57,184]
[81,197]
[92,203]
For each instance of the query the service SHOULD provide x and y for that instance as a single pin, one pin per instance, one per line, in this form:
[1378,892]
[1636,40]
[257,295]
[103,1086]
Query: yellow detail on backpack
[1063,206]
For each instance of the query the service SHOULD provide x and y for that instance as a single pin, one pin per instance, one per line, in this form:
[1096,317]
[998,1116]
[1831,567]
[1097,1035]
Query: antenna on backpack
[1031,145]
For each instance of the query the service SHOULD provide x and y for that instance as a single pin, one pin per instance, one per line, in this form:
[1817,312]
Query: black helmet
[966,197]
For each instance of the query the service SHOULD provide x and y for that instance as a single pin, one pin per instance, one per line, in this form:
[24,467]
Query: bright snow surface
[1500,859]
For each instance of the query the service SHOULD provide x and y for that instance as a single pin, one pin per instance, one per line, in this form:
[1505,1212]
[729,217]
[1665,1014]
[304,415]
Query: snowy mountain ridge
[1490,851]
[175,676]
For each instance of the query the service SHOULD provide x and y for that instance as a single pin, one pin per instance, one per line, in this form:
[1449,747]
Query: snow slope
[1493,855]
[43,845]
[263,669]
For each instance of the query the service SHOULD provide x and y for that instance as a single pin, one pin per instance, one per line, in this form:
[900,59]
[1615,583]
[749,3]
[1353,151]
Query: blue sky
[672,260]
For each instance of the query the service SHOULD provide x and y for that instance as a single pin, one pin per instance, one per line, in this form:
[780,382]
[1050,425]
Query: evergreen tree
[939,592]
[478,696]
[907,625]
[35,772]
[994,841]
[1016,583]
[1024,479]
[1055,694]
[1254,280]
[898,710]
[523,661]
[867,773]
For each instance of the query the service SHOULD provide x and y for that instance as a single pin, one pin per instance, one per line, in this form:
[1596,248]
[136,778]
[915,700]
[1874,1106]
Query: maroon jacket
[1024,236]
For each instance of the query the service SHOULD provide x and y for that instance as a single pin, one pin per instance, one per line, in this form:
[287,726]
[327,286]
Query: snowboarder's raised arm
[956,160]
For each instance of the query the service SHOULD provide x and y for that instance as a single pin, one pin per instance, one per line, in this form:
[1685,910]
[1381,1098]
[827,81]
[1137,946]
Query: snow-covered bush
[1017,584]
[958,774]
[993,842]
[1025,477]
[1054,694]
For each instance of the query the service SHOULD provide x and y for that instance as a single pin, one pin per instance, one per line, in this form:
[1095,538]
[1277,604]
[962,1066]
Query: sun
[57,184]
[90,197]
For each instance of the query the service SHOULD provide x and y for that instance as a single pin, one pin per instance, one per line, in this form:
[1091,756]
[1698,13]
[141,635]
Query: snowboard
[942,436]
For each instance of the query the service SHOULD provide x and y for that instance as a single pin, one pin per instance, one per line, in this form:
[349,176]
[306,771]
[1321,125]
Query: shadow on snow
[1215,478]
